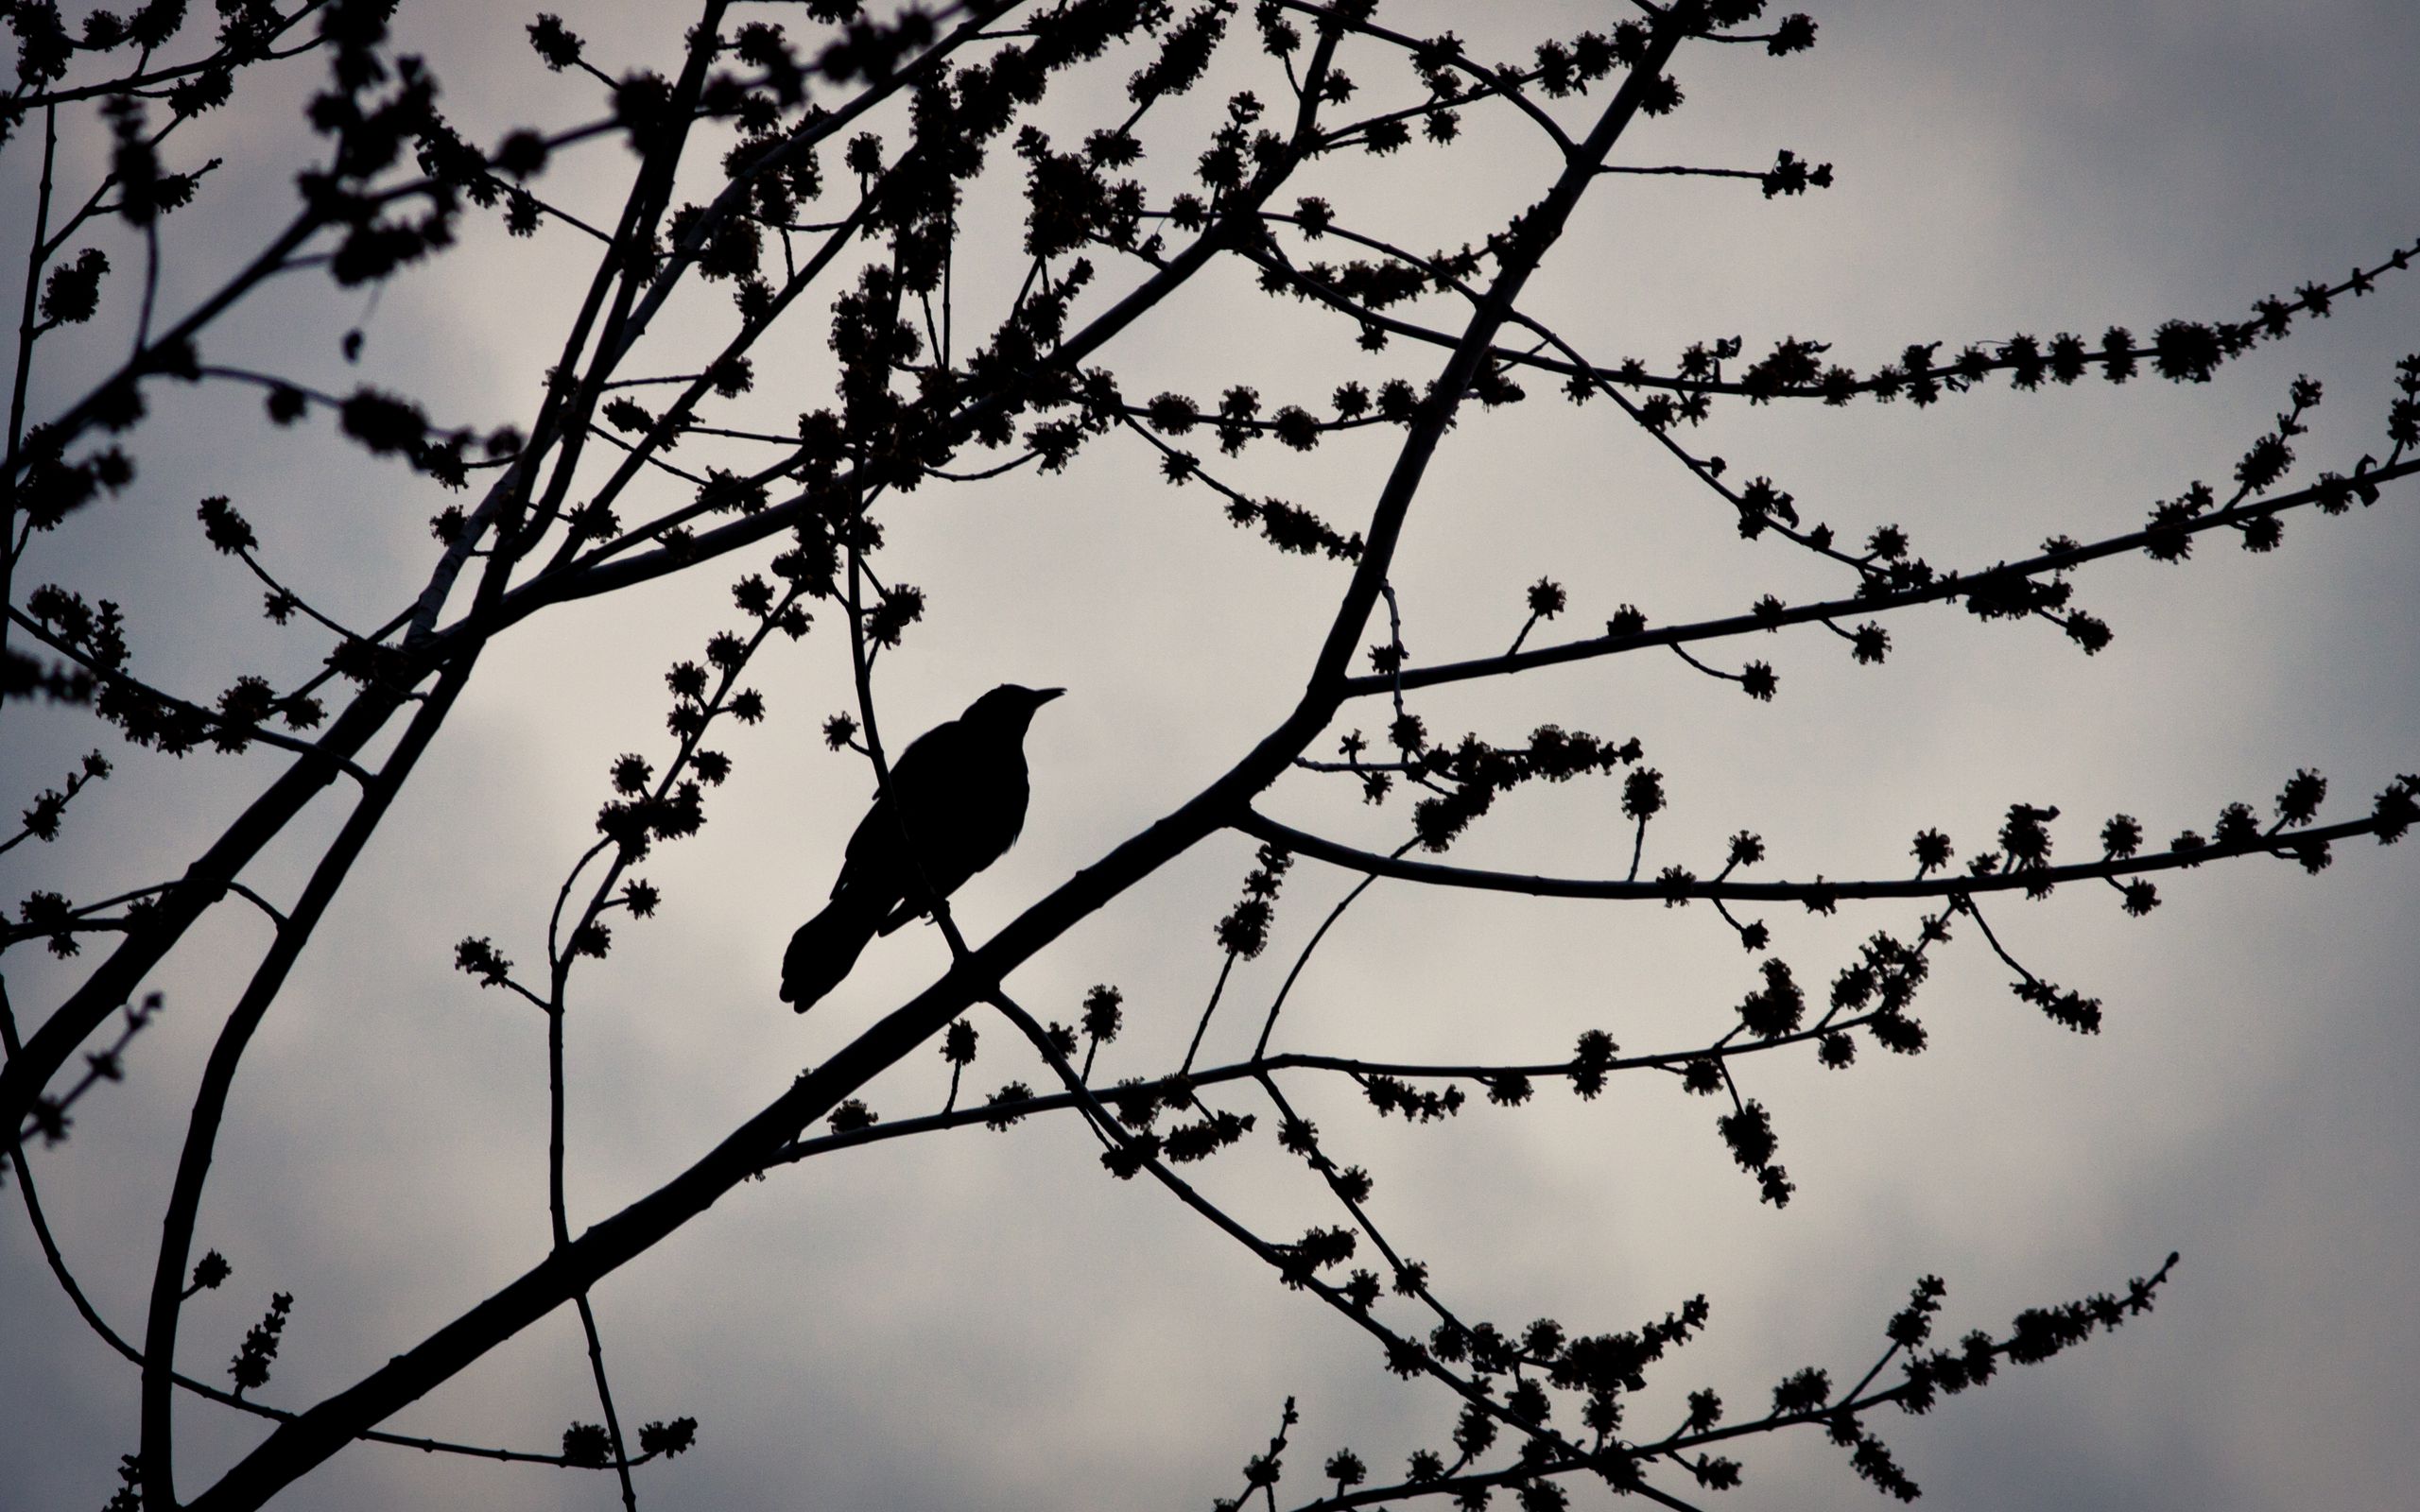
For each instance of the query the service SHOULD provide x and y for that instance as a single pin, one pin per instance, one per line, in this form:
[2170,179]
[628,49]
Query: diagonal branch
[1948,586]
[1817,894]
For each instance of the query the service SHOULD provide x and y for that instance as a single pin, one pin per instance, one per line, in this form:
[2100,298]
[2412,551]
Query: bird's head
[1008,706]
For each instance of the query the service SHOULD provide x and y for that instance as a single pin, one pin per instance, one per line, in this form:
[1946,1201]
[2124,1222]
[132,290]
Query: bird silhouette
[959,790]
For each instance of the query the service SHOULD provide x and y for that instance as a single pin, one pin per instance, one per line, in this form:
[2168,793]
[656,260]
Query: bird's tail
[825,946]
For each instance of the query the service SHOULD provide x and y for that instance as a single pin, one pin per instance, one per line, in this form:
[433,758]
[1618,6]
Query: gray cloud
[975,1320]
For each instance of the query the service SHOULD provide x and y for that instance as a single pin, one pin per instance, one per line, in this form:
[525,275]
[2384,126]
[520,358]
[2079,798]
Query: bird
[962,789]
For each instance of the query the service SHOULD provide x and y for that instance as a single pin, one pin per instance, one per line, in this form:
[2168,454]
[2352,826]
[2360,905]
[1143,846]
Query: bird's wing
[921,779]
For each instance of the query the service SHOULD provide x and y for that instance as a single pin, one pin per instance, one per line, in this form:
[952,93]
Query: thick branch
[114,981]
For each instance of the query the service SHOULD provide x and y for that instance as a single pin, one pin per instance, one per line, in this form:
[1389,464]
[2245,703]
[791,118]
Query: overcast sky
[975,1320]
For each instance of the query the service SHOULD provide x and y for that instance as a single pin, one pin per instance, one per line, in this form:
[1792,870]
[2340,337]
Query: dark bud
[586,1446]
[669,1440]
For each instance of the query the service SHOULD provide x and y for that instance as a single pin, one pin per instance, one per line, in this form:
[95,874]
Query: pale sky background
[987,1320]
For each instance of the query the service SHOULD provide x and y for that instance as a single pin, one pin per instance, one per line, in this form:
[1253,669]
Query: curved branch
[210,1104]
[110,1336]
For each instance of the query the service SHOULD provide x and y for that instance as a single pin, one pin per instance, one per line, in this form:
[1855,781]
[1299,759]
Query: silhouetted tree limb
[936,386]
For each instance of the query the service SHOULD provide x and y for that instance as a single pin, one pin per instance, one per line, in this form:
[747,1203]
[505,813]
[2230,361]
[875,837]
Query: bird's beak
[1043,696]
